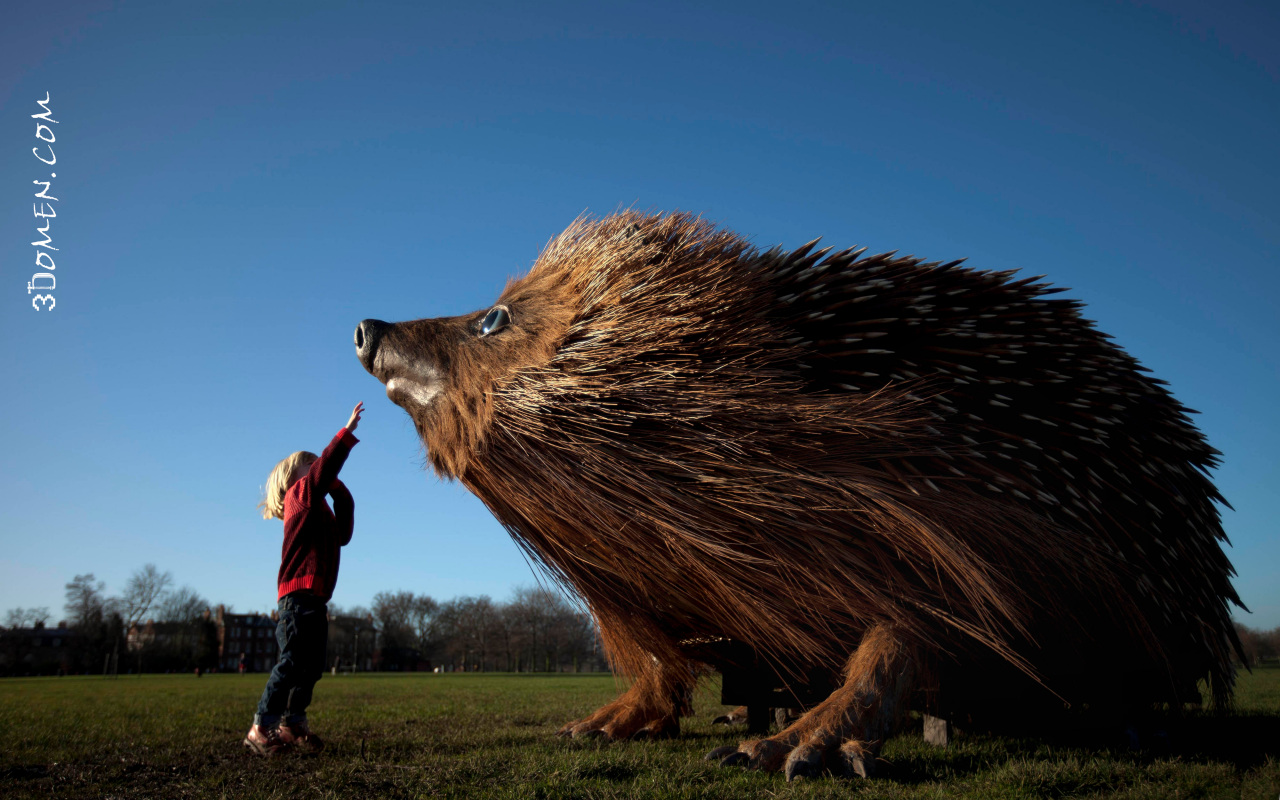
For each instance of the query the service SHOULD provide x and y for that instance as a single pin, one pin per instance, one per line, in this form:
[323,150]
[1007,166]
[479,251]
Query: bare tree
[506,634]
[393,611]
[538,629]
[85,604]
[352,636]
[1258,645]
[96,621]
[181,605]
[551,631]
[471,622]
[422,618]
[26,617]
[452,638]
[579,636]
[142,591]
[482,617]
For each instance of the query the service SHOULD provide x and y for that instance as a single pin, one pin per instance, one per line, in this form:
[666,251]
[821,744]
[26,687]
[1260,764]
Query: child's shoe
[297,734]
[265,741]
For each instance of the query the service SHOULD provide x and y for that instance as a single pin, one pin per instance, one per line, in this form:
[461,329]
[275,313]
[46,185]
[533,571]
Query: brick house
[152,633]
[254,635]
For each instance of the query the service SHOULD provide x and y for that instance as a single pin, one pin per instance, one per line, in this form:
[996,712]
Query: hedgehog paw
[618,722]
[809,759]
[842,733]
[767,754]
[650,709]
[764,754]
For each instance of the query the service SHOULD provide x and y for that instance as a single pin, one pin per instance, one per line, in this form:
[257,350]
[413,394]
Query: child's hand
[355,417]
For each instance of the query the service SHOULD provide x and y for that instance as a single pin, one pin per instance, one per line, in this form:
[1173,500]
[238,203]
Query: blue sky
[240,184]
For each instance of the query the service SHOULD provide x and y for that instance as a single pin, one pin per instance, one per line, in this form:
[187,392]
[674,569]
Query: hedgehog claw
[799,770]
[736,759]
[856,767]
[804,762]
[809,760]
[719,753]
[857,762]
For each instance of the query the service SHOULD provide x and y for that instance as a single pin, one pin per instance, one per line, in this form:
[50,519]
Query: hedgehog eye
[494,321]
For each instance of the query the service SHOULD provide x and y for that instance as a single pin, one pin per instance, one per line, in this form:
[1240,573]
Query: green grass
[424,735]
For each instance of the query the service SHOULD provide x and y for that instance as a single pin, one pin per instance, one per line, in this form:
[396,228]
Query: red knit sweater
[313,535]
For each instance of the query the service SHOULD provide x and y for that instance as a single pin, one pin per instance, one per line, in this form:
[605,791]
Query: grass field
[425,735]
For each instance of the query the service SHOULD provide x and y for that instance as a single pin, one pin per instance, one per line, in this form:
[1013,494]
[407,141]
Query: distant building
[254,635]
[353,642]
[151,633]
[37,650]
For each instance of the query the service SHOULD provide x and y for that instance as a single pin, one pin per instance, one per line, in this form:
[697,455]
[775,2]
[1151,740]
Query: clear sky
[240,183]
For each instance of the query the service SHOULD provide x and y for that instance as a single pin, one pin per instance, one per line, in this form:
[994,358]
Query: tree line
[536,630]
[1260,647]
[92,635]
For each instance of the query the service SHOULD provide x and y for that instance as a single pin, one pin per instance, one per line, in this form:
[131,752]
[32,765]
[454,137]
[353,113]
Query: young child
[313,536]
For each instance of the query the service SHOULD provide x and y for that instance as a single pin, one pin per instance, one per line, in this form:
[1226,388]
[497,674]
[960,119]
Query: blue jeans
[302,633]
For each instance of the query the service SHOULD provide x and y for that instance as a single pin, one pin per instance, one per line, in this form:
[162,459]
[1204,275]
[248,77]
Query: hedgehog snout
[368,336]
[410,382]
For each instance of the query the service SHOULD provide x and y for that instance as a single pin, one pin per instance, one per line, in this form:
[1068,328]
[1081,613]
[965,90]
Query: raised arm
[324,470]
[344,510]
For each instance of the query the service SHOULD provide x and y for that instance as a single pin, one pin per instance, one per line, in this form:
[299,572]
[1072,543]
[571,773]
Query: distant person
[313,536]
[244,664]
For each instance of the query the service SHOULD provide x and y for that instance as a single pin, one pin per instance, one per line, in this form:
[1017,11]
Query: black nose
[368,335]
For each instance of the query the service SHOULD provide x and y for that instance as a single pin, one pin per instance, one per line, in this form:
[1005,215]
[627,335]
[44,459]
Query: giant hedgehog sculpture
[897,474]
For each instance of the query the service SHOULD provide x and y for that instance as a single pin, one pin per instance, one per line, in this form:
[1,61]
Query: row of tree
[1260,647]
[96,625]
[536,630]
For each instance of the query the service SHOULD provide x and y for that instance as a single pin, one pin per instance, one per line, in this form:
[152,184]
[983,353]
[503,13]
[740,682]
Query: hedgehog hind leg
[650,708]
[844,732]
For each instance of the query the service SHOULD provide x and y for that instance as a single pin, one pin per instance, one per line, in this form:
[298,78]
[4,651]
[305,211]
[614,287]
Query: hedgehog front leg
[651,707]
[845,731]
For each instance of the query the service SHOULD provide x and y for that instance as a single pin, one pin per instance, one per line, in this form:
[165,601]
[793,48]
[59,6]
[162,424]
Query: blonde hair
[278,483]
